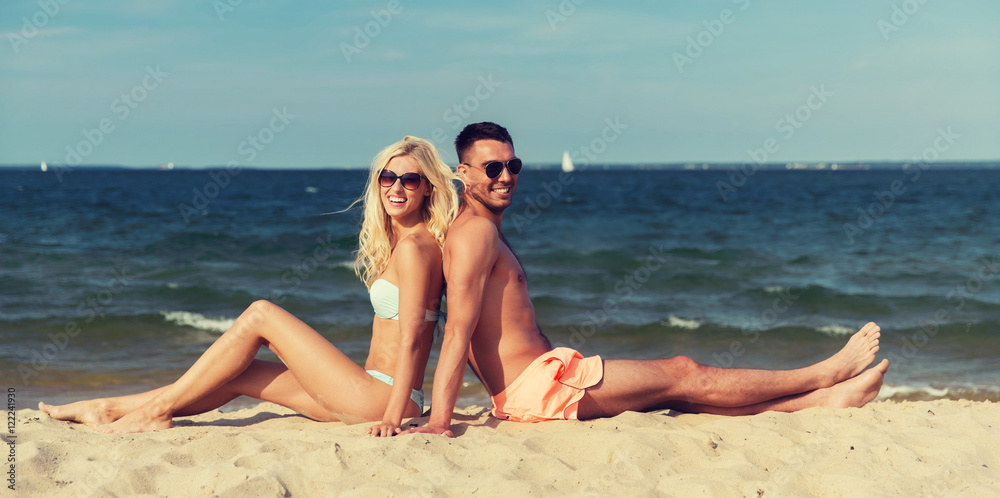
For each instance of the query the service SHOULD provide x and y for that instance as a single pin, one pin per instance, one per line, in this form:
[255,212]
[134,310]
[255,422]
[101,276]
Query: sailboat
[567,163]
[45,167]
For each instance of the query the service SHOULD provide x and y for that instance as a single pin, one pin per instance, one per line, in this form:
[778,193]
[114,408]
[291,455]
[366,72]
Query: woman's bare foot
[142,420]
[856,355]
[856,392]
[91,412]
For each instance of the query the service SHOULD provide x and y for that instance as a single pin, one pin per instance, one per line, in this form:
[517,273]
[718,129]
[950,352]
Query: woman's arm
[415,264]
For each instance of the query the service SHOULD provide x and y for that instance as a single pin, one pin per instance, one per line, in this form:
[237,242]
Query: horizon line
[683,165]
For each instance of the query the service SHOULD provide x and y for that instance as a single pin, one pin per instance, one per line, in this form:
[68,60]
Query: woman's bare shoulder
[420,244]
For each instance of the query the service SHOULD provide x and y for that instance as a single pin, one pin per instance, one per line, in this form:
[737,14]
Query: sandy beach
[924,448]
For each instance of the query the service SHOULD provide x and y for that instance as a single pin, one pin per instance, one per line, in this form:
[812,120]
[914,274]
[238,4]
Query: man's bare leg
[851,393]
[328,376]
[635,385]
[264,380]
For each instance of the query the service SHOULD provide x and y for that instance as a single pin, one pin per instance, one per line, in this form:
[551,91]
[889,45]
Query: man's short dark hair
[480,131]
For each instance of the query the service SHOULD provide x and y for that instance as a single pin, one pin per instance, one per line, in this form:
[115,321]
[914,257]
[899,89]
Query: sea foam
[888,391]
[198,321]
[836,330]
[681,323]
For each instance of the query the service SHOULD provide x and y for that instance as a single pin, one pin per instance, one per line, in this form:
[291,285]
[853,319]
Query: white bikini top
[385,300]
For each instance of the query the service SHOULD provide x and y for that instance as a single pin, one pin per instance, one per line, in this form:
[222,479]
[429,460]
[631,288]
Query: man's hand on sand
[444,431]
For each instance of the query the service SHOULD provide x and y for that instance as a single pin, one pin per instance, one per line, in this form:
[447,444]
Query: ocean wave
[836,330]
[347,264]
[198,321]
[889,391]
[681,323]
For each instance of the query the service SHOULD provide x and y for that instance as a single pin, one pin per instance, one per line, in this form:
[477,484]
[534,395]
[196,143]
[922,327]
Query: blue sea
[115,280]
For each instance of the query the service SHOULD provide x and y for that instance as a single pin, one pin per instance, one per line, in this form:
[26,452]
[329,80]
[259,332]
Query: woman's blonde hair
[376,241]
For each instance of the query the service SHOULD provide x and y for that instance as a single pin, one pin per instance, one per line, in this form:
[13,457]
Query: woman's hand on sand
[383,429]
[444,431]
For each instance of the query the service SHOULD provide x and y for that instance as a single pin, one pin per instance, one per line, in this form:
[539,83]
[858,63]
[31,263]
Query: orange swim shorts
[550,388]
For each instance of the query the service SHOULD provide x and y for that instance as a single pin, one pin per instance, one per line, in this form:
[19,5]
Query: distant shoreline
[688,166]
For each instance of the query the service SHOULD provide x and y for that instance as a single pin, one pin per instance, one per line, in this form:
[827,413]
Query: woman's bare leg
[264,380]
[325,374]
[100,410]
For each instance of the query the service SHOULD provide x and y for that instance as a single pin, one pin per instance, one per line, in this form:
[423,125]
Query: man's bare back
[491,324]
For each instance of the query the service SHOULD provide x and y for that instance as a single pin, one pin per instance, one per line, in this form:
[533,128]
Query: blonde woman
[408,204]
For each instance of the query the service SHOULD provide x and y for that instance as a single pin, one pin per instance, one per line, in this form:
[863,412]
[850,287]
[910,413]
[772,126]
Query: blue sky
[823,81]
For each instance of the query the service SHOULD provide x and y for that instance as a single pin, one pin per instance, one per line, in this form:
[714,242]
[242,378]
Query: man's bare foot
[857,392]
[140,420]
[854,357]
[91,412]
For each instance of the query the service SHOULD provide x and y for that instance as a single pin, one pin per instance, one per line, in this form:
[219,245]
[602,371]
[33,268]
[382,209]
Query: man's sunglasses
[410,181]
[494,168]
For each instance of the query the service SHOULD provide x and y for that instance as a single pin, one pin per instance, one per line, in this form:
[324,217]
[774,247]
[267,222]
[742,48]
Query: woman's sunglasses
[494,168]
[410,181]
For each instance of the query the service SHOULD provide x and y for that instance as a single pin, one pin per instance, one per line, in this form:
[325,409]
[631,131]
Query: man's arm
[471,252]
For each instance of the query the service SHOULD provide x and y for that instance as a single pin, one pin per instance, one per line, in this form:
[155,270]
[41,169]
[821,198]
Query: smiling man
[491,325]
